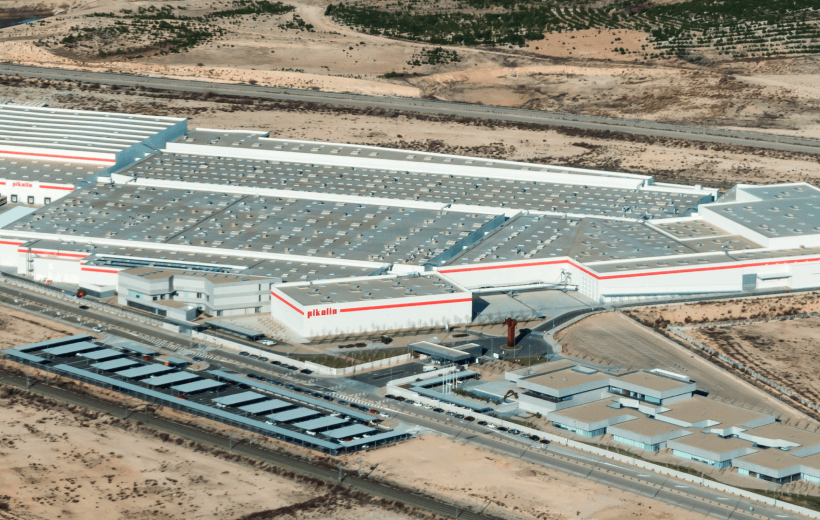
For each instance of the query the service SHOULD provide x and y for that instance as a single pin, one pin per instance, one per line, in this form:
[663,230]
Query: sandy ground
[56,462]
[475,477]
[783,351]
[660,316]
[613,339]
[575,72]
[20,328]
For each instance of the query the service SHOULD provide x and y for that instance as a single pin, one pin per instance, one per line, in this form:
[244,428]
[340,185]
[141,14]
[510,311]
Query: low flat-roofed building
[592,419]
[646,433]
[439,353]
[710,448]
[700,412]
[800,443]
[779,466]
[572,385]
[179,294]
[368,304]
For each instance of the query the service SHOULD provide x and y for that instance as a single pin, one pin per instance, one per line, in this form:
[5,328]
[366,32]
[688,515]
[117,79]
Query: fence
[313,367]
[679,333]
[394,388]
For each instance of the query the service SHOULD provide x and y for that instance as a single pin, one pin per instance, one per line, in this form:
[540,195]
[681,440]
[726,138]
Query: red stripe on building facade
[68,188]
[287,303]
[11,243]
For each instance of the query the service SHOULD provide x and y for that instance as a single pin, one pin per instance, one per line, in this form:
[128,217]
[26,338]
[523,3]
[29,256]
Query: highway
[427,106]
[621,476]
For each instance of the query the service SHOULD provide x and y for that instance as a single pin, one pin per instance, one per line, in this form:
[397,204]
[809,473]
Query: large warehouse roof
[404,184]
[76,135]
[378,288]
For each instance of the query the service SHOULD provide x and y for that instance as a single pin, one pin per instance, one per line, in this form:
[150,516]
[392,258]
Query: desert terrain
[613,339]
[783,351]
[63,461]
[574,71]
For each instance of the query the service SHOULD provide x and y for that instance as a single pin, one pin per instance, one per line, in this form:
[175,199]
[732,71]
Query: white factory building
[301,219]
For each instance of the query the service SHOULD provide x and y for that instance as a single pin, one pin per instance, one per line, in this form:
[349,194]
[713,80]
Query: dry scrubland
[573,71]
[61,461]
[783,351]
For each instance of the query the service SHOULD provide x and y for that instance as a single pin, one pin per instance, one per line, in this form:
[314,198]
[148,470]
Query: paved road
[426,106]
[620,476]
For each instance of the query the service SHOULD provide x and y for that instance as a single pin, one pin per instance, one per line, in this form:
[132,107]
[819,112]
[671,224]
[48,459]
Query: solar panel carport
[266,406]
[55,343]
[169,379]
[73,348]
[293,415]
[320,424]
[102,355]
[236,399]
[292,395]
[24,356]
[115,364]
[205,410]
[198,386]
[144,371]
[349,431]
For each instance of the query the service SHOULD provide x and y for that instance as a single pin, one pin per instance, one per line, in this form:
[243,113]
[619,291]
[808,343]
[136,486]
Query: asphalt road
[426,106]
[621,476]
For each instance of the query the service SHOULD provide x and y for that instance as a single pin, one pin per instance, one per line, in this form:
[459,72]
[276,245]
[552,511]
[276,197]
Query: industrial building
[217,214]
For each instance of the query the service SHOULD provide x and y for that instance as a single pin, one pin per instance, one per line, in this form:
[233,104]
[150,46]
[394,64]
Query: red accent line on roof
[49,187]
[4,242]
[52,156]
[414,304]
[93,270]
[287,303]
[53,253]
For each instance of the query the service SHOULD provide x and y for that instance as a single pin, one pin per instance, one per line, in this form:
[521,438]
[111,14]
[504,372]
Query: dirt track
[617,340]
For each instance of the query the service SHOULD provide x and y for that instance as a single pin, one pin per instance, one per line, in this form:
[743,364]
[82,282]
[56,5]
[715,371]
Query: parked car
[544,441]
[515,432]
[428,407]
[306,371]
[385,415]
[449,413]
[417,404]
[343,403]
[268,342]
[483,423]
[311,433]
[390,396]
[276,362]
[400,398]
[196,359]
[243,353]
[438,410]
[502,429]
[97,329]
[535,438]
[409,401]
[470,418]
[491,426]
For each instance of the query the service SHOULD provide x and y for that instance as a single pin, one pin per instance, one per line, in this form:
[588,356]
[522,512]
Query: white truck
[429,368]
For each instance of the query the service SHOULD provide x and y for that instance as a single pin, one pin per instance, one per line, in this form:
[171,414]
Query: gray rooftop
[35,170]
[405,184]
[254,224]
[439,351]
[775,218]
[382,288]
